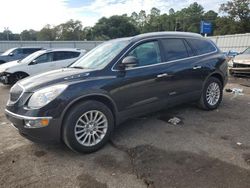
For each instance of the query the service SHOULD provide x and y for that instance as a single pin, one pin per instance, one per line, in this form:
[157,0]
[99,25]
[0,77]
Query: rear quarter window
[201,46]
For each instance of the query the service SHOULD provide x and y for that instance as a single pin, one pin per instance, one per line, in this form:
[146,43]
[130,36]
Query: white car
[38,62]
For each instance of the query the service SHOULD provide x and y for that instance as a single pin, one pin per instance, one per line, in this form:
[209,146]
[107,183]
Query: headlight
[44,96]
[230,63]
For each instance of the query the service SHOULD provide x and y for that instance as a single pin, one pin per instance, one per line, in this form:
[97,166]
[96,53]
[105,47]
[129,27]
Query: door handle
[163,75]
[196,67]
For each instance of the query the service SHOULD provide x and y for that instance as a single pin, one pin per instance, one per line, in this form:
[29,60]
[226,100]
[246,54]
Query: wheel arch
[218,76]
[20,72]
[105,99]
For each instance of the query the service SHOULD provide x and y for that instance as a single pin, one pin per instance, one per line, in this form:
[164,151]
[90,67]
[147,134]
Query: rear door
[179,79]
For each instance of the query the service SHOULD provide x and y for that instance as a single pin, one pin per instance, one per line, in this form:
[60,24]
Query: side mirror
[11,54]
[33,62]
[129,61]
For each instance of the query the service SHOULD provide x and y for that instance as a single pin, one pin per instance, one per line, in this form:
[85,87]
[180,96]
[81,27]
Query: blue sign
[206,27]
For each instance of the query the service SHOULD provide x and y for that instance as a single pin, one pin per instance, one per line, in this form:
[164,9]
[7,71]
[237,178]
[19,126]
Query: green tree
[238,10]
[29,35]
[114,27]
[71,30]
[47,33]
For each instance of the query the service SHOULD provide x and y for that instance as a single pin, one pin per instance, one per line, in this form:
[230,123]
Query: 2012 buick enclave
[117,80]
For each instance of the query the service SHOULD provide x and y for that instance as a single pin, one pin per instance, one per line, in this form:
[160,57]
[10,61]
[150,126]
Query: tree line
[234,18]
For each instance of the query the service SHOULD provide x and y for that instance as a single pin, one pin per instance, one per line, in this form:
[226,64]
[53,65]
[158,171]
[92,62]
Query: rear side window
[65,55]
[201,46]
[174,49]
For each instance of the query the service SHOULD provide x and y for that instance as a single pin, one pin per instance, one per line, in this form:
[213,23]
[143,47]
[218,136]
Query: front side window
[174,49]
[147,53]
[48,57]
[201,46]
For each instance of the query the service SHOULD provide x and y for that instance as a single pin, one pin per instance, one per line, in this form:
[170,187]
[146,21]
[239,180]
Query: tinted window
[201,46]
[147,53]
[48,57]
[65,55]
[30,50]
[189,49]
[174,49]
[17,51]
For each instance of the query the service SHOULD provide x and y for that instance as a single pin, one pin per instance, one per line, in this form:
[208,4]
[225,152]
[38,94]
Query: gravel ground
[206,149]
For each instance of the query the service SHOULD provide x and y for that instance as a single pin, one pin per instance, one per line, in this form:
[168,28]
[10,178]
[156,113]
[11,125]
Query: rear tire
[212,94]
[88,126]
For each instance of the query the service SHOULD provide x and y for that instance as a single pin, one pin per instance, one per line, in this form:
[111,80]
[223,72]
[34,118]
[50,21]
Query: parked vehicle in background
[117,80]
[38,62]
[17,53]
[241,64]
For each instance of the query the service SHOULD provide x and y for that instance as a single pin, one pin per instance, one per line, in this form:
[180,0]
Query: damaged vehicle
[119,79]
[38,62]
[241,64]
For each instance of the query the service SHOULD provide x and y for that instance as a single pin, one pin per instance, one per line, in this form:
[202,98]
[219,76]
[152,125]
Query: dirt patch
[40,153]
[226,137]
[110,163]
[246,158]
[87,181]
[159,168]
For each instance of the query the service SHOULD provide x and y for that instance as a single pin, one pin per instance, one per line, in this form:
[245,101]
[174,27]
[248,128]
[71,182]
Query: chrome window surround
[167,62]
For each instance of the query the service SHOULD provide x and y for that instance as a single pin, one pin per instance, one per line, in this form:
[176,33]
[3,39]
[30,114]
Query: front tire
[18,76]
[212,94]
[88,126]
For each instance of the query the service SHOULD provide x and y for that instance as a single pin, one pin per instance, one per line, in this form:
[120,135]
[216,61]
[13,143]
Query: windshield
[247,51]
[100,56]
[8,51]
[31,57]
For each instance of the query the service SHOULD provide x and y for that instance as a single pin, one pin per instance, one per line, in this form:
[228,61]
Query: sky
[18,15]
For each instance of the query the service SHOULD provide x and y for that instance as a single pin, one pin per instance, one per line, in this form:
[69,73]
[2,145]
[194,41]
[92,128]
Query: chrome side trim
[167,62]
[24,117]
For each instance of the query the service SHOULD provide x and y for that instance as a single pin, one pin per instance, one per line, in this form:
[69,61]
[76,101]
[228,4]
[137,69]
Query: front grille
[238,65]
[15,92]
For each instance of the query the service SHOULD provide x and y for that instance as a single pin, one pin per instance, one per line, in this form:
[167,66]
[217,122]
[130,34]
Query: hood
[54,77]
[5,66]
[243,59]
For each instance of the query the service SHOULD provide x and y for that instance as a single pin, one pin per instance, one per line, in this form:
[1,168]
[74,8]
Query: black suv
[17,53]
[117,80]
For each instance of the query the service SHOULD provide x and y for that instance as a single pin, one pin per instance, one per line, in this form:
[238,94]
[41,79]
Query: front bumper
[239,70]
[6,78]
[49,133]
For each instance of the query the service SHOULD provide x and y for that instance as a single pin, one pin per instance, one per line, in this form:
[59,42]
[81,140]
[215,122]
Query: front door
[139,88]
[41,64]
